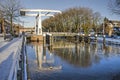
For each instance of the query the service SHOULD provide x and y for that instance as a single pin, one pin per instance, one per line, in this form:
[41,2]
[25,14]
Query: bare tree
[73,20]
[10,10]
[96,21]
[114,6]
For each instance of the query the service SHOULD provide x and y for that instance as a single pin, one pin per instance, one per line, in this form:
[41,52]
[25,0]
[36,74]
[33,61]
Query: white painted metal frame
[39,13]
[15,65]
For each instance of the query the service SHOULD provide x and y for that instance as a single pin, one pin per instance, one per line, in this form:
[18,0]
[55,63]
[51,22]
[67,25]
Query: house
[5,27]
[111,27]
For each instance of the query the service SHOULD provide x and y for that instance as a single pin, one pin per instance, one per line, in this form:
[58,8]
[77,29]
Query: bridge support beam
[38,28]
[49,39]
[38,13]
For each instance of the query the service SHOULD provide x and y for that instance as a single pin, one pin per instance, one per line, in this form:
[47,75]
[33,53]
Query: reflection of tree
[79,55]
[83,54]
[106,50]
[110,50]
[86,56]
[94,52]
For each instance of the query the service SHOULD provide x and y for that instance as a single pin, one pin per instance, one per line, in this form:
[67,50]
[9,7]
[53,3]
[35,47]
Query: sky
[100,6]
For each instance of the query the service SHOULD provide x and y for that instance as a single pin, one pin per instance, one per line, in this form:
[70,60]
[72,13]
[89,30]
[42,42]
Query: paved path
[2,42]
[7,55]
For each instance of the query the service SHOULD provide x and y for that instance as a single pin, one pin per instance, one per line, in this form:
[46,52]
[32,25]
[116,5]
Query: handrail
[15,64]
[25,64]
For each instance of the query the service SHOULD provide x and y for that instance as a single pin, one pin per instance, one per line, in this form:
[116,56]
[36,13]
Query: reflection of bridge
[51,33]
[63,45]
[45,60]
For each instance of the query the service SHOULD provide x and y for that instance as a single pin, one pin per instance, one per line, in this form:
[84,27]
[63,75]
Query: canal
[73,61]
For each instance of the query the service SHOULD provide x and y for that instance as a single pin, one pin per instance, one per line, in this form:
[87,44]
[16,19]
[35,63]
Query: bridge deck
[7,55]
[62,33]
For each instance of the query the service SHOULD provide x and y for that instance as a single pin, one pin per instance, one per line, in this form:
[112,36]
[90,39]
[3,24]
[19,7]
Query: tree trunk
[0,25]
[3,27]
[11,26]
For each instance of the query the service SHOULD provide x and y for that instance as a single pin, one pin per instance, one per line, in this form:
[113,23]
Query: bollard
[44,38]
[77,37]
[51,40]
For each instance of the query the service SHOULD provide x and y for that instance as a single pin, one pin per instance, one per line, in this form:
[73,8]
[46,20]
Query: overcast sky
[100,6]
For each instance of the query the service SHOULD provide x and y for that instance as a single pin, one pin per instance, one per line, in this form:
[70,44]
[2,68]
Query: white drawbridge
[38,13]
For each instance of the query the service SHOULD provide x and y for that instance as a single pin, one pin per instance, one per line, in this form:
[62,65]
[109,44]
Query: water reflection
[45,60]
[73,61]
[83,54]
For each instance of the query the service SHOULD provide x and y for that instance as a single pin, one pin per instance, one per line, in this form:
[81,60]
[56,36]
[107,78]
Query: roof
[115,23]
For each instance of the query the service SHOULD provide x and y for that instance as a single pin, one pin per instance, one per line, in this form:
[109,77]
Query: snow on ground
[2,42]
[8,51]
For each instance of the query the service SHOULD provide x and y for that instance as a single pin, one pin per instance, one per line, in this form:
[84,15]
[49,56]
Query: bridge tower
[38,13]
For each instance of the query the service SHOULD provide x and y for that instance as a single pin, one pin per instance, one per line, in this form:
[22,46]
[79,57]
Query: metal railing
[24,59]
[15,64]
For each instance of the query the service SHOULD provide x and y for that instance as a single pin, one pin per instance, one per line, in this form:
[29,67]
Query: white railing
[61,33]
[15,63]
[25,64]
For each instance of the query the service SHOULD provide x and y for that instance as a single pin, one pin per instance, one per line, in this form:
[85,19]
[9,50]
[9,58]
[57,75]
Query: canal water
[73,61]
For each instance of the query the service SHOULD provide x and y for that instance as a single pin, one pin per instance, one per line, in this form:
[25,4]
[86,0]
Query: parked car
[8,37]
[118,37]
[115,36]
[92,33]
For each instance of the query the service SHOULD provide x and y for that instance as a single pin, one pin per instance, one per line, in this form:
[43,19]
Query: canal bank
[13,59]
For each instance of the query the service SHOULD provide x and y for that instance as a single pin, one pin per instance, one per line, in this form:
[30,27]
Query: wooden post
[0,25]
[77,37]
[88,38]
[44,38]
[83,38]
[51,39]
